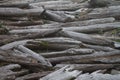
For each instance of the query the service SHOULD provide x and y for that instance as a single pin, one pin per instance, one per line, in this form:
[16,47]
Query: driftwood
[27,31]
[104,57]
[53,44]
[33,36]
[68,52]
[19,5]
[98,28]
[38,57]
[33,76]
[16,12]
[3,31]
[113,11]
[98,76]
[89,67]
[60,5]
[99,48]
[86,38]
[6,72]
[65,73]
[88,22]
[23,23]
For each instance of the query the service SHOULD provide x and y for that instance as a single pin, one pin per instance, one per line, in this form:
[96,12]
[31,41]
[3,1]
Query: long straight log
[99,48]
[33,36]
[86,38]
[34,55]
[16,12]
[68,52]
[112,11]
[94,28]
[19,5]
[96,57]
[54,44]
[89,67]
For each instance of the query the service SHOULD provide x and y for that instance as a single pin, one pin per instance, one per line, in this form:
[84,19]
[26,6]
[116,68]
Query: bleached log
[54,44]
[19,5]
[33,76]
[27,31]
[33,36]
[60,5]
[86,38]
[104,57]
[89,67]
[94,28]
[88,22]
[13,44]
[98,76]
[40,58]
[23,23]
[99,48]
[16,12]
[68,52]
[65,73]
[112,11]
[11,67]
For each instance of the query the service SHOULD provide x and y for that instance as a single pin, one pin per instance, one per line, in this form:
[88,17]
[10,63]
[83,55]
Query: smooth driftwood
[104,57]
[87,38]
[99,48]
[65,73]
[19,5]
[98,76]
[112,11]
[13,44]
[38,57]
[16,12]
[53,44]
[68,52]
[55,17]
[98,28]
[89,67]
[7,74]
[88,22]
[60,5]
[33,76]
[23,23]
[27,31]
[33,36]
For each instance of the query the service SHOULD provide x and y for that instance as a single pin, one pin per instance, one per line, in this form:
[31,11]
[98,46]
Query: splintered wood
[59,40]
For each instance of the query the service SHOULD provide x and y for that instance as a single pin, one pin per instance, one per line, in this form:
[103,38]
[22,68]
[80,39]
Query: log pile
[59,40]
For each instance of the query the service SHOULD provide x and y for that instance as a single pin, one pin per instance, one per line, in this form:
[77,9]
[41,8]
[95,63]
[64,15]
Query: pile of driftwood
[59,40]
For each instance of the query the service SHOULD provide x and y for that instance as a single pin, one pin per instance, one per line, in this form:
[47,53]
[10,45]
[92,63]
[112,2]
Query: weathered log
[38,57]
[104,57]
[87,38]
[112,11]
[33,76]
[27,31]
[98,28]
[68,52]
[7,74]
[23,23]
[16,12]
[89,67]
[65,73]
[33,36]
[99,48]
[13,44]
[53,44]
[98,76]
[60,5]
[11,67]
[19,5]
[88,22]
